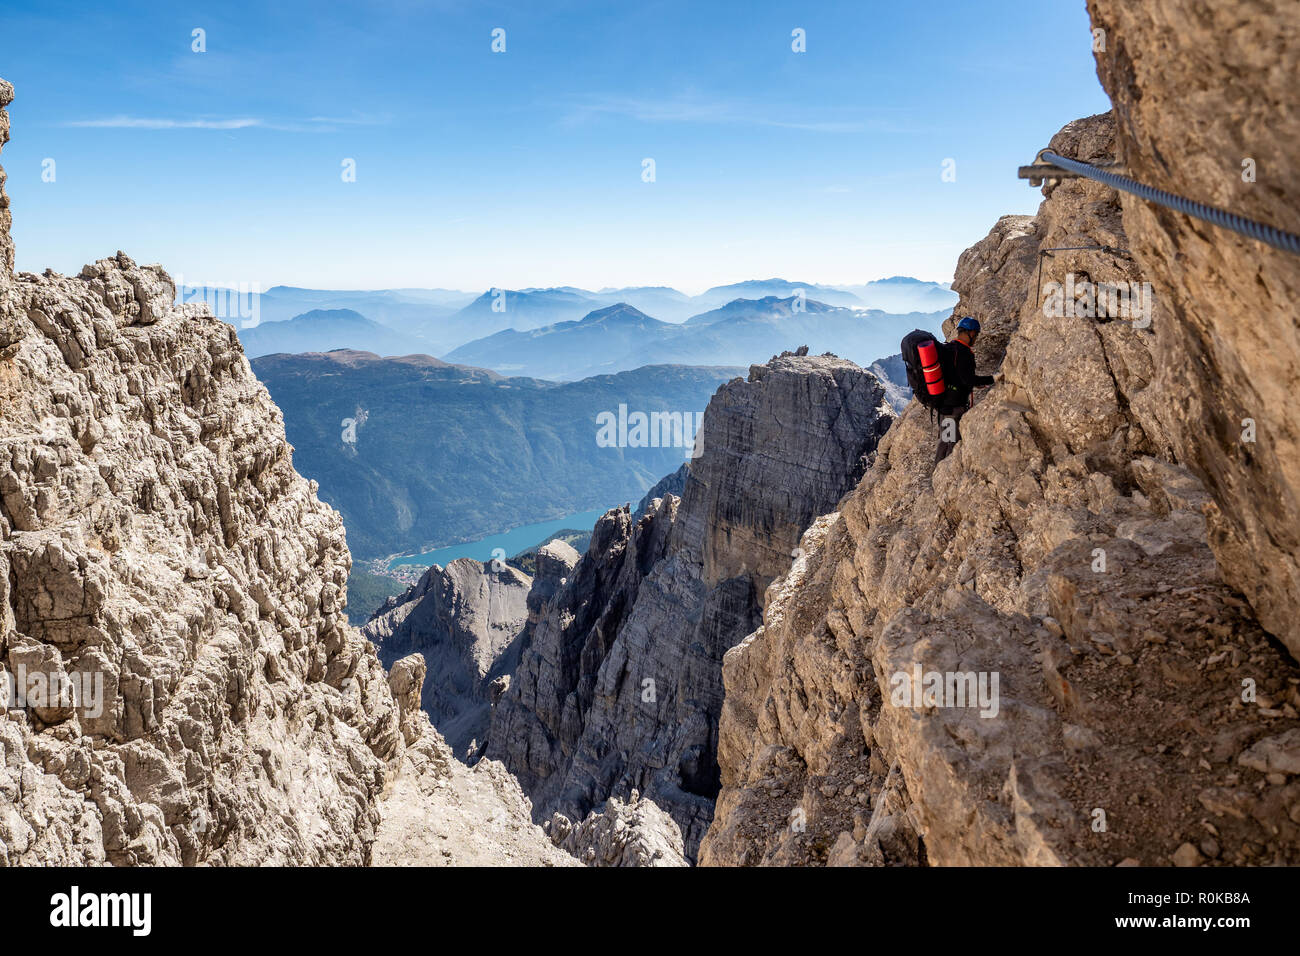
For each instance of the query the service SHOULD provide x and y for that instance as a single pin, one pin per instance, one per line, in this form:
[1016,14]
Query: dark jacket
[963,378]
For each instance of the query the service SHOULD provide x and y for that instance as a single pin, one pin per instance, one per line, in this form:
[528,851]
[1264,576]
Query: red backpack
[926,360]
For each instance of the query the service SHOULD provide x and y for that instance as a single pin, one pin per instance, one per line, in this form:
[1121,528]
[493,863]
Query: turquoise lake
[510,542]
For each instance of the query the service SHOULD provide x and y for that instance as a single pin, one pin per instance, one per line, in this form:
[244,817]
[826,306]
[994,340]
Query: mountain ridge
[323,330]
[741,332]
[441,320]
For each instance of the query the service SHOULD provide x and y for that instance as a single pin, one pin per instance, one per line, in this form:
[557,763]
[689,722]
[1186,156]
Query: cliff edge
[180,682]
[1027,654]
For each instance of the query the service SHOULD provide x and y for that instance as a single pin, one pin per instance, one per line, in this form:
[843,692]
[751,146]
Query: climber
[960,379]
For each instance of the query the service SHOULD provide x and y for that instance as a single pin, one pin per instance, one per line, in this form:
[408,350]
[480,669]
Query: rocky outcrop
[672,484]
[555,562]
[438,812]
[6,218]
[1201,93]
[993,275]
[465,621]
[892,375]
[1026,654]
[636,833]
[539,720]
[619,688]
[180,683]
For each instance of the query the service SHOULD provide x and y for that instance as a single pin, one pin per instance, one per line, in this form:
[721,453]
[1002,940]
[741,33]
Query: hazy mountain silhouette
[903,294]
[440,321]
[740,333]
[323,329]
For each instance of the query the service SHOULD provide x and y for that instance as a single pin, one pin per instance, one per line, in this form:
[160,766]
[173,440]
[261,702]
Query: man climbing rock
[961,379]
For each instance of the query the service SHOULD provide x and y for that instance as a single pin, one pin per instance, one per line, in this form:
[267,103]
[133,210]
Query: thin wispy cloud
[316,124]
[678,110]
[141,122]
[700,109]
[350,120]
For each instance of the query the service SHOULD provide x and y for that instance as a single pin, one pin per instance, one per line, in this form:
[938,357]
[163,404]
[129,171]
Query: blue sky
[524,168]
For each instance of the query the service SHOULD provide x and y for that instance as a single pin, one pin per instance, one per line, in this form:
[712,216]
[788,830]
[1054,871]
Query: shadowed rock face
[1062,548]
[1198,89]
[618,688]
[159,554]
[465,621]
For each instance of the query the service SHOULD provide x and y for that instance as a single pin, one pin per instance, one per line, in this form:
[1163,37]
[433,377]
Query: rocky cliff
[6,218]
[179,679]
[465,621]
[636,833]
[619,685]
[1100,694]
[1203,96]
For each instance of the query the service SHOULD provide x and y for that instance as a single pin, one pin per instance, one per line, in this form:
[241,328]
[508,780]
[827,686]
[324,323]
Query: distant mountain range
[321,330]
[417,453]
[499,309]
[397,308]
[742,332]
[421,314]
[597,344]
[903,294]
[776,288]
[769,306]
[438,321]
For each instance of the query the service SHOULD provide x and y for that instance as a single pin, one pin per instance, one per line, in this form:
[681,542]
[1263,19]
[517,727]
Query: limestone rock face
[892,375]
[555,562]
[992,270]
[778,449]
[1201,94]
[1061,550]
[465,621]
[619,686]
[439,812]
[539,719]
[179,681]
[159,547]
[636,833]
[6,218]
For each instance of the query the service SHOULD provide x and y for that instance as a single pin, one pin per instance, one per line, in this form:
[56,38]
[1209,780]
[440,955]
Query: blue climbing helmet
[969,324]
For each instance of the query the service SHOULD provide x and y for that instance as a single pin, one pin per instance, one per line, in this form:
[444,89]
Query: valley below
[437,454]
